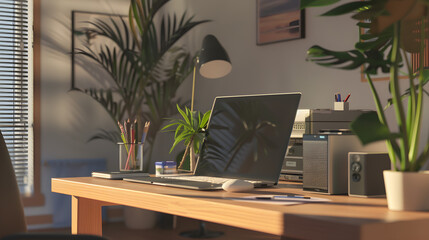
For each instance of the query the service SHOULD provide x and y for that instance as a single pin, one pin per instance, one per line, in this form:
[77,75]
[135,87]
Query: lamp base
[202,232]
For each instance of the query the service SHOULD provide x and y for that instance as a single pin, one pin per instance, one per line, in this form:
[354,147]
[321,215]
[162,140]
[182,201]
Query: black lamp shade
[214,61]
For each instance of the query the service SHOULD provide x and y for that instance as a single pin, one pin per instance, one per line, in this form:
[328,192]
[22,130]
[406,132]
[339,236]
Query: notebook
[246,138]
[119,175]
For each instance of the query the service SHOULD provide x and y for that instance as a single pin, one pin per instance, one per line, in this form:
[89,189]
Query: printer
[312,121]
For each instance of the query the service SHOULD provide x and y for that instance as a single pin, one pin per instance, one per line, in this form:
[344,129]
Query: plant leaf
[317,3]
[205,119]
[169,126]
[184,115]
[346,8]
[112,136]
[348,59]
[425,74]
[190,128]
[369,128]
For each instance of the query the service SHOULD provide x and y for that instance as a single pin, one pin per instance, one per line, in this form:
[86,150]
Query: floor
[118,231]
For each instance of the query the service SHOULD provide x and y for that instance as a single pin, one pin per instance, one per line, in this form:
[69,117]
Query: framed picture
[279,20]
[85,71]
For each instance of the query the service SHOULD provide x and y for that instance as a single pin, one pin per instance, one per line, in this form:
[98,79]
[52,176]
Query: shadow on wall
[66,115]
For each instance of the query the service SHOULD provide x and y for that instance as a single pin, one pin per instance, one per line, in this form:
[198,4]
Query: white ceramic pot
[136,218]
[407,191]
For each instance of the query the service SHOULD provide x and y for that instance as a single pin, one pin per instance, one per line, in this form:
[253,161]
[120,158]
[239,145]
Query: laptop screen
[247,136]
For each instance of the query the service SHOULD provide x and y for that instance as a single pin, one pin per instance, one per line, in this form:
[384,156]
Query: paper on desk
[272,202]
[286,201]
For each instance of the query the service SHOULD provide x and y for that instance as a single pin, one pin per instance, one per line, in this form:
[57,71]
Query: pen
[347,98]
[336,98]
[285,197]
[282,197]
[339,97]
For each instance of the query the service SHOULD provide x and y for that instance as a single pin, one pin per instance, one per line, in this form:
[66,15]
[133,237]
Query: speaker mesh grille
[315,165]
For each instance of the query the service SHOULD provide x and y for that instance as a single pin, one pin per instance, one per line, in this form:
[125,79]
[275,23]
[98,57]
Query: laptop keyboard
[215,180]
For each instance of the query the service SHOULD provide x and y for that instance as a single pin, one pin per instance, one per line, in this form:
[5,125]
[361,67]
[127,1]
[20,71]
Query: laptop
[246,138]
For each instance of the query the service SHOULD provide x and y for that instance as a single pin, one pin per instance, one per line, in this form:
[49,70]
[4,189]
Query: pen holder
[341,106]
[130,156]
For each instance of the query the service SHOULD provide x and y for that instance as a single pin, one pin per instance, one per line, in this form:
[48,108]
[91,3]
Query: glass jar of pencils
[130,156]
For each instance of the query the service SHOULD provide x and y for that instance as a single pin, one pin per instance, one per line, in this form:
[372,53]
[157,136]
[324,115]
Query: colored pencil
[145,131]
[121,127]
[347,98]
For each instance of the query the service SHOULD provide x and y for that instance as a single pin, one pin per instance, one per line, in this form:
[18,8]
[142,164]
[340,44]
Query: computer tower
[312,121]
[366,173]
[325,161]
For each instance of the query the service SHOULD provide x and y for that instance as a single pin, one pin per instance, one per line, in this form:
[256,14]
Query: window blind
[16,88]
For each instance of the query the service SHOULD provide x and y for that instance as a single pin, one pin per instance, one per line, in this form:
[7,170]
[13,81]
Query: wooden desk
[343,218]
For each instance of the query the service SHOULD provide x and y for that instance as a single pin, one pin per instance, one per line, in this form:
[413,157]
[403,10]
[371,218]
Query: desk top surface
[343,217]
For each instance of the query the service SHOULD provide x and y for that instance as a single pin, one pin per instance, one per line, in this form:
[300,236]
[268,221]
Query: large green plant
[145,65]
[389,31]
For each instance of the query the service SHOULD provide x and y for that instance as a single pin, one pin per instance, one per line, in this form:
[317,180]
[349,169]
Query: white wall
[69,119]
[280,67]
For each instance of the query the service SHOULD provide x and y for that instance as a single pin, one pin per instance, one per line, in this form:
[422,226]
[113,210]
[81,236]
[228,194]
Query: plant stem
[396,98]
[186,152]
[391,142]
[415,130]
[411,110]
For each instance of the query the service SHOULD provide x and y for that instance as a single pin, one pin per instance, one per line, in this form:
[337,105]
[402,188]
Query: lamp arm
[193,85]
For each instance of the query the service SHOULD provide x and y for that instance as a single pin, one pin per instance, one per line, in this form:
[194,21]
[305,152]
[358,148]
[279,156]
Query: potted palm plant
[146,67]
[190,130]
[389,32]
[145,64]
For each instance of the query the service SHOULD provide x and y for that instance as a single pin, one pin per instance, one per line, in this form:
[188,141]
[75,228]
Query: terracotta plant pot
[407,191]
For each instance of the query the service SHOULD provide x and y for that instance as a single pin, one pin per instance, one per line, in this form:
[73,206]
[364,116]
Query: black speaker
[366,173]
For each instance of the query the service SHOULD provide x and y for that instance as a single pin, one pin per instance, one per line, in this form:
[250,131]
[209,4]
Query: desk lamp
[214,62]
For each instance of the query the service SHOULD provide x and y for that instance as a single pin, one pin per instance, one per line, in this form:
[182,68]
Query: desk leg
[86,216]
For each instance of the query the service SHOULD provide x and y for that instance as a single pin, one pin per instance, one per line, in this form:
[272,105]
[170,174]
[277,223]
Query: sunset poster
[279,20]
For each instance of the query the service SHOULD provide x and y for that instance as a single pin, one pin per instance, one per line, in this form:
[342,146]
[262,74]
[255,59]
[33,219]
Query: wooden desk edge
[272,222]
[56,189]
[238,215]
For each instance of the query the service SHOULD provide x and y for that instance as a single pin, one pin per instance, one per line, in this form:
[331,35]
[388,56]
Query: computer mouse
[237,185]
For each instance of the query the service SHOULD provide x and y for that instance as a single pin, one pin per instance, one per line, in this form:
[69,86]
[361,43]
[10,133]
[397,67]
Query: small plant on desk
[190,130]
